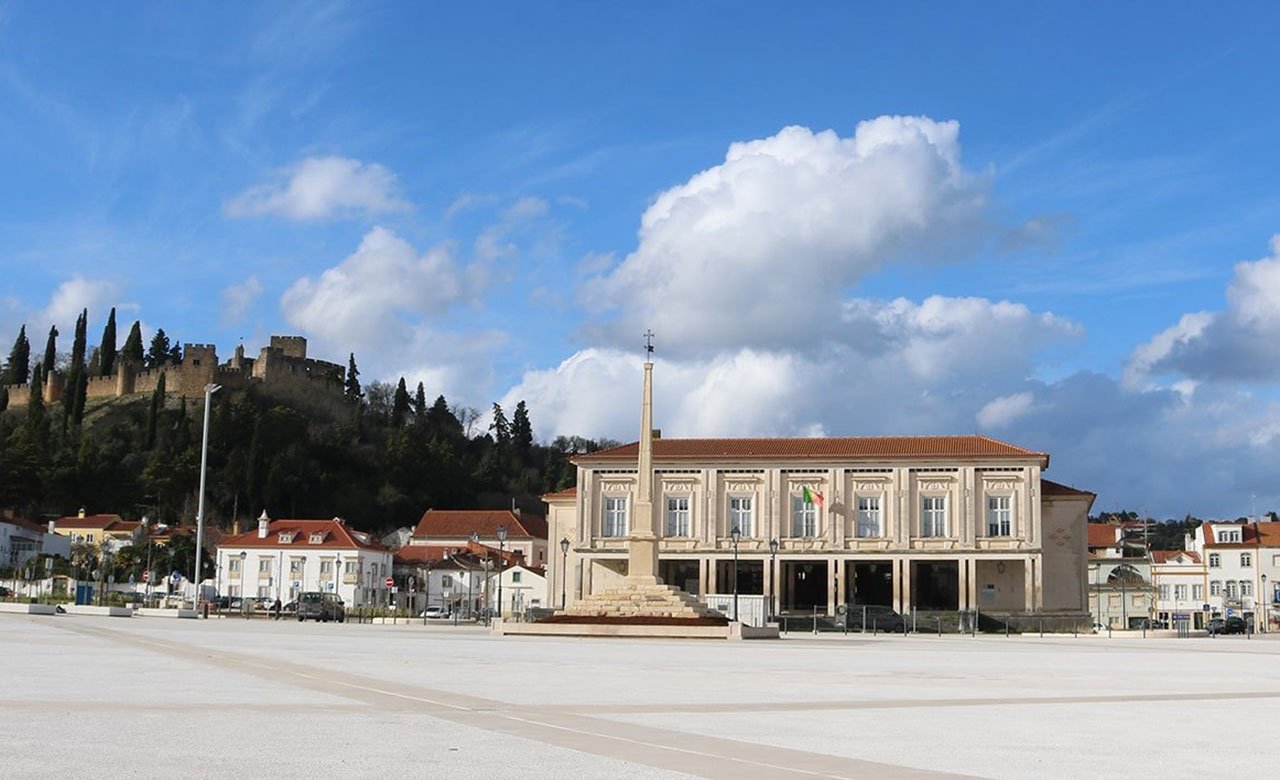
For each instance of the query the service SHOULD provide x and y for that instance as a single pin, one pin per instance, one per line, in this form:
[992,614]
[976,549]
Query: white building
[1242,569]
[520,588]
[453,578]
[1180,581]
[453,529]
[22,540]
[283,558]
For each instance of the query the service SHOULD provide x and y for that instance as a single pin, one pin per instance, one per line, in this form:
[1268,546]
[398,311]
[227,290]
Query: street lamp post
[502,539]
[1265,598]
[243,555]
[773,578]
[564,572]
[209,390]
[735,533]
[474,538]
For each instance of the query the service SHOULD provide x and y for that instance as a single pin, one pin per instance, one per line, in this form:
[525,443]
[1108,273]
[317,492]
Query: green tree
[132,351]
[351,387]
[158,352]
[51,350]
[500,427]
[400,405]
[521,431]
[107,352]
[153,416]
[420,407]
[79,347]
[17,369]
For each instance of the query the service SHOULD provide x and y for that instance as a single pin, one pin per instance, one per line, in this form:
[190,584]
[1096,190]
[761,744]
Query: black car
[1234,625]
[877,618]
[320,606]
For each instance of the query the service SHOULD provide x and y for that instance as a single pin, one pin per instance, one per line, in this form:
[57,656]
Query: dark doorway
[935,585]
[804,586]
[871,584]
[750,576]
[682,574]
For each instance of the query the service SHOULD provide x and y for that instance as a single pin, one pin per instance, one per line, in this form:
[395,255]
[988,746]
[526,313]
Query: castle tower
[53,387]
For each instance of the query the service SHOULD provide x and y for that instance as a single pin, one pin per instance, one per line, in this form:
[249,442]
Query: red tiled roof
[1248,535]
[825,449]
[21,522]
[1103,535]
[1164,556]
[1268,534]
[461,523]
[337,535]
[93,521]
[1050,488]
[567,493]
[471,553]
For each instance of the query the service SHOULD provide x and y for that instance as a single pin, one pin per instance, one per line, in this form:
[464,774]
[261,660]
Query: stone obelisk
[642,553]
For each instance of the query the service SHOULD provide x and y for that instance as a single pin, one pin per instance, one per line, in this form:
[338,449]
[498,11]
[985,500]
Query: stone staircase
[639,600]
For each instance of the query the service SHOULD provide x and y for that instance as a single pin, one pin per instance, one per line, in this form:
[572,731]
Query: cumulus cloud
[1237,343]
[322,188]
[76,294]
[238,298]
[759,250]
[1005,409]
[364,300]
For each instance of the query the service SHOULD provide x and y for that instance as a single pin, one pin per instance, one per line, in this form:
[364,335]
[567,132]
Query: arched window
[1124,574]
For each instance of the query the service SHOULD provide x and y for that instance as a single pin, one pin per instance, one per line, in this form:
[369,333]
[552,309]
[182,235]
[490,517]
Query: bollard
[1042,627]
[1006,629]
[815,619]
[939,625]
[864,619]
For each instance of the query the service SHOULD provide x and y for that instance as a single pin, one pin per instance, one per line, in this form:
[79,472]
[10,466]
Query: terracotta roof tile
[337,536]
[90,521]
[1050,488]
[1103,535]
[460,523]
[821,449]
[567,493]
[1165,556]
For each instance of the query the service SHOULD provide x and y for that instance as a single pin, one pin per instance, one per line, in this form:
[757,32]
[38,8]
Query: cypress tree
[420,407]
[51,350]
[78,347]
[17,370]
[351,387]
[132,351]
[400,405]
[153,414]
[521,430]
[107,352]
[81,393]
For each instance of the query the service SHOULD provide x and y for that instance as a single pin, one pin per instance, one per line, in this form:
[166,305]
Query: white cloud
[1005,409]
[322,188]
[75,295]
[1237,343]
[365,299]
[237,298]
[758,250]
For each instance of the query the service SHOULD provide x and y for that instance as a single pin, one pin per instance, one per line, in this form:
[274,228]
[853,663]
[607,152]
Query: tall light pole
[564,572]
[502,538]
[474,538]
[735,533]
[1265,598]
[209,390]
[773,577]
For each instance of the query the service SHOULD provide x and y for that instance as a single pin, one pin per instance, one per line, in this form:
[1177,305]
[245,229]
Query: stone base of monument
[639,610]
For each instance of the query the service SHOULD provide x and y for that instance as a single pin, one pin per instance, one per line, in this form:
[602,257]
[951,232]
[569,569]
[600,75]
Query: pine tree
[158,353]
[51,350]
[351,387]
[500,427]
[107,352]
[400,405]
[132,352]
[420,407]
[175,353]
[17,370]
[521,431]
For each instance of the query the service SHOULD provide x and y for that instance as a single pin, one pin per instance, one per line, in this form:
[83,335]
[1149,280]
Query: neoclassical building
[926,523]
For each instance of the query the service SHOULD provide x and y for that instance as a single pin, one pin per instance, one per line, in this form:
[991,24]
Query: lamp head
[773,545]
[564,548]
[735,532]
[502,533]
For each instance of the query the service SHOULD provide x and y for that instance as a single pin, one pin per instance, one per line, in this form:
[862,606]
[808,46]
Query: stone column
[973,583]
[1028,583]
[906,586]
[896,563]
[833,579]
[642,554]
[962,587]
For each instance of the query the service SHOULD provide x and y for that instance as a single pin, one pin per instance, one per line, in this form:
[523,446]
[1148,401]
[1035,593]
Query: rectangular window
[446,581]
[264,591]
[515,577]
[804,518]
[1246,588]
[89,538]
[233,565]
[999,515]
[326,567]
[1230,590]
[1164,592]
[1197,592]
[1246,560]
[677,516]
[741,514]
[1215,588]
[1215,560]
[351,567]
[933,516]
[264,565]
[295,566]
[867,524]
[615,516]
[1179,592]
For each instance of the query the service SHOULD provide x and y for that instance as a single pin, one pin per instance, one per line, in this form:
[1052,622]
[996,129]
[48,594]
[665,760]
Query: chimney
[235,527]
[53,526]
[339,521]
[81,515]
[264,524]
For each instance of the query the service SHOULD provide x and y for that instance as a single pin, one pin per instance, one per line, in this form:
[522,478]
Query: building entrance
[750,577]
[682,574]
[871,584]
[935,585]
[804,586]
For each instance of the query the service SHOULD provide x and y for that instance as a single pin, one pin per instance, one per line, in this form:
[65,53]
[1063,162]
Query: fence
[752,608]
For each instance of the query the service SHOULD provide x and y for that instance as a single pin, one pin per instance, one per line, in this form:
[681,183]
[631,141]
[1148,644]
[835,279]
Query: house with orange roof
[908,522]
[1180,581]
[283,558]
[1242,569]
[508,530]
[109,531]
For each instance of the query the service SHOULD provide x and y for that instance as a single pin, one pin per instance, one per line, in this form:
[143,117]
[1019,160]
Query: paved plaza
[123,697]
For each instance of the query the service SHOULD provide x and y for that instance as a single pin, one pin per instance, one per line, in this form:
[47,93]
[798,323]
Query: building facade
[912,523]
[1242,570]
[1180,583]
[453,529]
[283,558]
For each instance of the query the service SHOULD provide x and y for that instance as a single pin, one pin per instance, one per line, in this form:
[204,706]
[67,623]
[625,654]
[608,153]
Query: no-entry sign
[390,583]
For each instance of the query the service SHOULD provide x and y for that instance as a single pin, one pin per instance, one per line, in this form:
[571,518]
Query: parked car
[435,613]
[320,606]
[5,592]
[1099,628]
[1234,625]
[1216,626]
[878,618]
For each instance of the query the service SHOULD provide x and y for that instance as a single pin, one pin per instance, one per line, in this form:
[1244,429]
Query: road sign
[146,575]
[390,582]
[176,577]
[1206,608]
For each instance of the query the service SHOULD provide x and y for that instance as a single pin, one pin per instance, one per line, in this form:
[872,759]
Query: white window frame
[614,518]
[932,514]
[264,565]
[868,521]
[1164,592]
[1246,560]
[679,516]
[1215,560]
[742,510]
[1197,592]
[296,565]
[1229,589]
[804,518]
[1246,588]
[1215,588]
[233,564]
[1180,592]
[1000,518]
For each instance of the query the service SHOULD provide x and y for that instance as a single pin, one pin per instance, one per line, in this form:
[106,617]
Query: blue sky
[1020,220]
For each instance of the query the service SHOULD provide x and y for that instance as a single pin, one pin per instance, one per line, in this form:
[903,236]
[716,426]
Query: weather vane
[648,343]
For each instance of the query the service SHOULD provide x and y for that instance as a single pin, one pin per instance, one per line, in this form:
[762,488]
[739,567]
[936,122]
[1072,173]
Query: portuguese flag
[812,496]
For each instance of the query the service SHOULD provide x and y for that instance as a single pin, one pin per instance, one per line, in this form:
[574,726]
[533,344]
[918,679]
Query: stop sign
[390,583]
[146,575]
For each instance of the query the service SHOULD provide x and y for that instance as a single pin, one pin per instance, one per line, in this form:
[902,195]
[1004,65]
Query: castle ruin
[282,368]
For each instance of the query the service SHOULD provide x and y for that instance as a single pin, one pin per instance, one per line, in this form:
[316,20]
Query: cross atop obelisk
[642,553]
